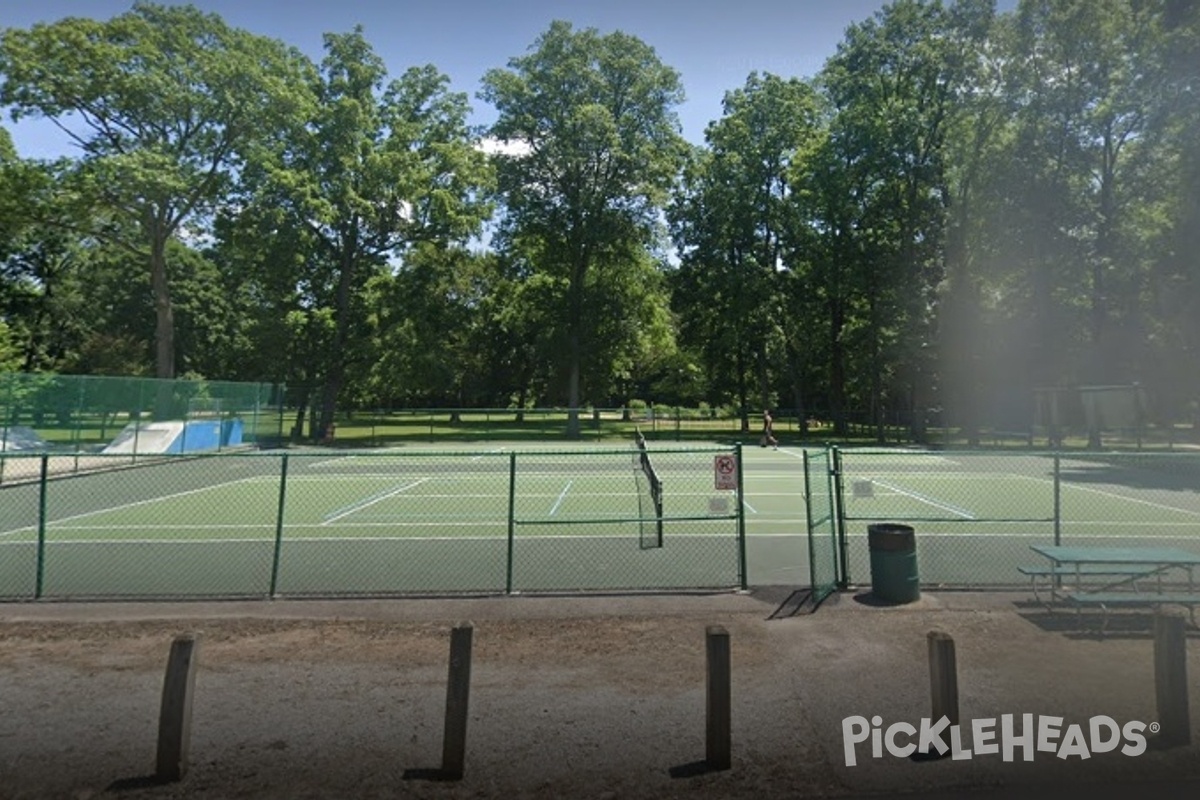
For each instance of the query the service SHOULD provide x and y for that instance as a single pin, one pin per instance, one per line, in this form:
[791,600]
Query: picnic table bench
[1128,567]
[1050,573]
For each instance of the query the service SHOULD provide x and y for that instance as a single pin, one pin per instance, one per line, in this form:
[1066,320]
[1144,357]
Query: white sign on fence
[725,472]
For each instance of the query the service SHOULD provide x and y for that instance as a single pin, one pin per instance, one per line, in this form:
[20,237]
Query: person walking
[768,436]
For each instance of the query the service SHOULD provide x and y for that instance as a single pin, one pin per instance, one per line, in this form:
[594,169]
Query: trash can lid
[891,536]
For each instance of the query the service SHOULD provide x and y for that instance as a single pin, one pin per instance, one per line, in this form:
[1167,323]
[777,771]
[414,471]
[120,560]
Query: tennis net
[649,496]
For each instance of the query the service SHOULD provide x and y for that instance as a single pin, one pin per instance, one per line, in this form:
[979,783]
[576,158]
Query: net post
[512,523]
[741,518]
[41,527]
[283,471]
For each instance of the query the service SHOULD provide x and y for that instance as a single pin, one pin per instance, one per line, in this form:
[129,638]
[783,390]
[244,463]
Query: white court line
[135,504]
[481,455]
[558,502]
[747,505]
[1121,497]
[962,512]
[790,453]
[370,501]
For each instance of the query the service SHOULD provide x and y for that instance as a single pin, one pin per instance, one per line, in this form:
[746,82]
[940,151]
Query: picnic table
[1129,576]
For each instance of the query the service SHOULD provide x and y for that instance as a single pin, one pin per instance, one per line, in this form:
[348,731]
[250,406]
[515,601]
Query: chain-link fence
[976,515]
[327,523]
[87,414]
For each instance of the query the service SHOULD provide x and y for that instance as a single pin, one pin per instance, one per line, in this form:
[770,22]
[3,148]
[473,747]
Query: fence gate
[822,528]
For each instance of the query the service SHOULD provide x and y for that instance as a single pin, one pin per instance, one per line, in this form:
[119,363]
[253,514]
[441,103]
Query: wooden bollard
[175,715]
[718,739]
[458,691]
[943,684]
[1170,678]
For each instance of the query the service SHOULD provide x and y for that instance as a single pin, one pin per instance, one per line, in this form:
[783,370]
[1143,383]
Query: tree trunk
[573,427]
[298,428]
[742,391]
[335,375]
[578,272]
[764,382]
[164,316]
[837,368]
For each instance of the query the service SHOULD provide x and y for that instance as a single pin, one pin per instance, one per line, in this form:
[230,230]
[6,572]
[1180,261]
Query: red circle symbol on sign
[724,469]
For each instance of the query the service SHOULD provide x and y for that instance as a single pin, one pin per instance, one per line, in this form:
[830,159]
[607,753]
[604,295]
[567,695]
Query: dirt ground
[590,697]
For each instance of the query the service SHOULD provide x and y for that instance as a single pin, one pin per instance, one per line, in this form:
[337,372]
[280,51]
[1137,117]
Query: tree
[739,232]
[595,114]
[895,83]
[1085,81]
[162,101]
[377,169]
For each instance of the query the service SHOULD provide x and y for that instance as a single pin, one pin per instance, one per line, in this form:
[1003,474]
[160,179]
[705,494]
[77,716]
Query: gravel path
[592,697]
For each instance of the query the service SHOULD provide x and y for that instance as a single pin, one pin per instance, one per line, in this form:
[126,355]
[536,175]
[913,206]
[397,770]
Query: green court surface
[414,521]
[373,523]
[977,514]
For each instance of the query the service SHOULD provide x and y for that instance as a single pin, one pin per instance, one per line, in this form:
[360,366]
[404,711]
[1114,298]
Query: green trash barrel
[893,549]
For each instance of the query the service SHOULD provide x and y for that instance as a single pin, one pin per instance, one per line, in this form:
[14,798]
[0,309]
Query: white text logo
[1045,735]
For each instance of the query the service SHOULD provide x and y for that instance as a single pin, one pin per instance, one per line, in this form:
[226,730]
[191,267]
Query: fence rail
[368,523]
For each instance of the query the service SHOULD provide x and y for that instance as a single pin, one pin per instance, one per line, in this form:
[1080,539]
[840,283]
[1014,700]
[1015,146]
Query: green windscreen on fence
[130,416]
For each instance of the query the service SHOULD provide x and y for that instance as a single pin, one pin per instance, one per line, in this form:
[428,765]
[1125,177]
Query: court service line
[134,504]
[489,452]
[370,501]
[747,505]
[1163,506]
[962,512]
[558,502]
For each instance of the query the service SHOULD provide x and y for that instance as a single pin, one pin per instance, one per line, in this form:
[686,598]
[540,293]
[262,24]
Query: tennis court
[374,523]
[976,514]
[504,519]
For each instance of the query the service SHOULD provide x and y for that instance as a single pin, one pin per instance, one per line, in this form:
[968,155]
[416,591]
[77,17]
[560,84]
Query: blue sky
[714,44]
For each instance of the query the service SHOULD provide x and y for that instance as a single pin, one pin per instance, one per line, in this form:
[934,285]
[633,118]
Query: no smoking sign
[725,472]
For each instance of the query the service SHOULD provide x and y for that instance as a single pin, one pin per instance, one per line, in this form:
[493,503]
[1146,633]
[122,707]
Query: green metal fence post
[741,517]
[11,380]
[839,513]
[41,530]
[283,470]
[78,432]
[1057,501]
[137,418]
[8,413]
[512,525]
